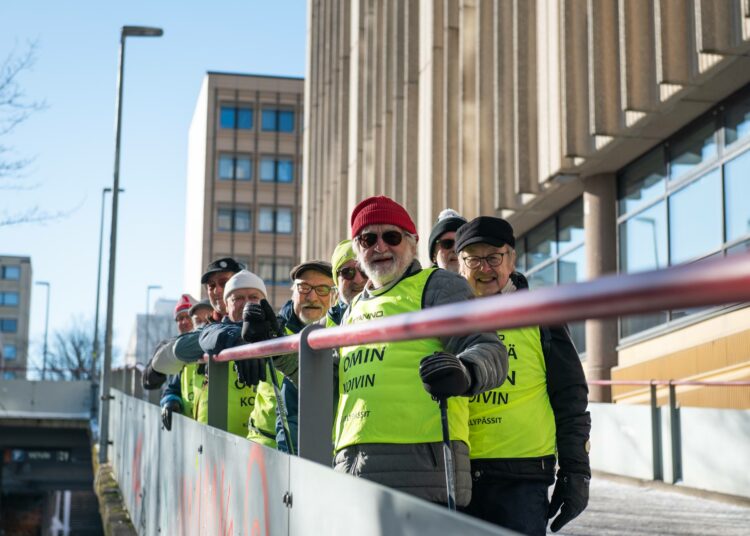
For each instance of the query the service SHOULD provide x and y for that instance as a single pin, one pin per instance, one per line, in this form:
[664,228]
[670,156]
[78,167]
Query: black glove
[251,371]
[166,413]
[444,375]
[259,322]
[572,493]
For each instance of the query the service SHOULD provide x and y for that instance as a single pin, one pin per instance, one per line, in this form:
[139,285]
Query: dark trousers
[516,504]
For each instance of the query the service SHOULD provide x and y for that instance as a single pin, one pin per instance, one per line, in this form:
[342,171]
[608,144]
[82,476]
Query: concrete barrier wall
[46,399]
[200,480]
[621,440]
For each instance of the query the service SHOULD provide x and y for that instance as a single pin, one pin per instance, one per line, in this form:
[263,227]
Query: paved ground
[621,508]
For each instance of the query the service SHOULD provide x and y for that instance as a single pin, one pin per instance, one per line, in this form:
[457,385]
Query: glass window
[693,148]
[265,220]
[630,325]
[695,222]
[578,335]
[643,240]
[284,170]
[243,168]
[265,269]
[737,196]
[224,222]
[245,118]
[274,120]
[521,255]
[227,117]
[642,182]
[242,220]
[570,223]
[742,247]
[544,277]
[283,267]
[8,325]
[540,244]
[9,351]
[737,121]
[284,220]
[12,272]
[571,267]
[267,169]
[226,167]
[9,298]
[9,375]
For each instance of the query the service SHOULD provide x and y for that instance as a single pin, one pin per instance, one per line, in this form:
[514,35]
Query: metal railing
[712,282]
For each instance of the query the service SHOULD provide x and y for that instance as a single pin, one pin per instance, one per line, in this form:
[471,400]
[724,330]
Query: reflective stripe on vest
[381,396]
[516,419]
[240,403]
[191,384]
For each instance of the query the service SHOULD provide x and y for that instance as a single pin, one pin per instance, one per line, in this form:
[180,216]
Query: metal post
[656,449]
[675,434]
[106,379]
[146,345]
[46,330]
[217,373]
[315,406]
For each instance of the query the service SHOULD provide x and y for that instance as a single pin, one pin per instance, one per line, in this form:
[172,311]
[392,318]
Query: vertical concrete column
[599,223]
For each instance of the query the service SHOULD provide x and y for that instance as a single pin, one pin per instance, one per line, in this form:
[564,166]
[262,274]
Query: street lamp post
[148,332]
[127,31]
[95,346]
[46,329]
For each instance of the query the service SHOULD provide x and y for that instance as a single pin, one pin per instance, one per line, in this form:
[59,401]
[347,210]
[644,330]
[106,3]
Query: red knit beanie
[185,302]
[381,210]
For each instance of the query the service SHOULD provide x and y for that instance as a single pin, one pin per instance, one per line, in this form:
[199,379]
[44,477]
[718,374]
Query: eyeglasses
[320,290]
[367,240]
[350,272]
[474,262]
[446,243]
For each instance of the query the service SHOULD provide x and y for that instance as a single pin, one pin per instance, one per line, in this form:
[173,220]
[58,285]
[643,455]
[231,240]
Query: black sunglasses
[447,243]
[349,273]
[367,240]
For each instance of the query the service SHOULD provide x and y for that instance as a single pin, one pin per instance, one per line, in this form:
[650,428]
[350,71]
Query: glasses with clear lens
[367,240]
[350,272]
[474,262]
[320,290]
[446,243]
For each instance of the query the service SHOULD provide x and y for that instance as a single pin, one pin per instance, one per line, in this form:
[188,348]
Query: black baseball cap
[225,264]
[319,266]
[485,230]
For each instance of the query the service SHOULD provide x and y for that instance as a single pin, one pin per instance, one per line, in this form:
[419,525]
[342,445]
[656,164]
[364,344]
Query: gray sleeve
[187,348]
[288,365]
[482,353]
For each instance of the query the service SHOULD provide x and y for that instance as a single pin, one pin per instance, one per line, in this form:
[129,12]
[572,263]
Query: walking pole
[281,407]
[450,479]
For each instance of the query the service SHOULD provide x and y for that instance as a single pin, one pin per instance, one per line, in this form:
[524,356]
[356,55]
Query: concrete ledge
[115,517]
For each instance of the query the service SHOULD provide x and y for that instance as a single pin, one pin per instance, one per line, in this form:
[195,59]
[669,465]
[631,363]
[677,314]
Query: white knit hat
[244,279]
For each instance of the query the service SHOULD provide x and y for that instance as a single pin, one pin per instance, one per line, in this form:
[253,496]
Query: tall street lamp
[46,329]
[125,32]
[147,344]
[95,346]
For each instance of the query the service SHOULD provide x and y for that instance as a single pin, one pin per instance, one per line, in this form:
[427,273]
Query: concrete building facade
[244,178]
[614,135]
[15,309]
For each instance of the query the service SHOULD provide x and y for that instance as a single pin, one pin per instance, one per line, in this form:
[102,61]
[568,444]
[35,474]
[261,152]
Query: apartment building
[15,307]
[244,178]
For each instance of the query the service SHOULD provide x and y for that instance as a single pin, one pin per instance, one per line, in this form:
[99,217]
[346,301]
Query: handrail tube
[712,282]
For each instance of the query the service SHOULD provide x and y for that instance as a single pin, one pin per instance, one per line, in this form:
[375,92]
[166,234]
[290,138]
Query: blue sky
[73,139]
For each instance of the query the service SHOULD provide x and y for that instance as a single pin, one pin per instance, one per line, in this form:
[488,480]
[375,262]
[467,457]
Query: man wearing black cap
[442,240]
[516,430]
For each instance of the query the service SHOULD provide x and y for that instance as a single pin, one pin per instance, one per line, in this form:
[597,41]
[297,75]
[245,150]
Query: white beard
[382,274]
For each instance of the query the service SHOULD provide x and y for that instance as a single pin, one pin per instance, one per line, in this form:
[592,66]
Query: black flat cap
[319,266]
[225,264]
[203,304]
[485,230]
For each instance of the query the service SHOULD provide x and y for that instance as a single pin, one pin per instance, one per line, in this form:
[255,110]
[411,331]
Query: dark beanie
[448,220]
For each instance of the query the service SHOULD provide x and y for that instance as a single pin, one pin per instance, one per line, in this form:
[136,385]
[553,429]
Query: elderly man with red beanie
[387,426]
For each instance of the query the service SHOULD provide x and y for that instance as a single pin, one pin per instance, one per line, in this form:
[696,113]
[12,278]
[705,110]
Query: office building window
[554,253]
[239,117]
[274,120]
[235,167]
[276,169]
[9,352]
[686,200]
[234,219]
[275,221]
[274,272]
[9,298]
[11,272]
[8,325]
[9,375]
